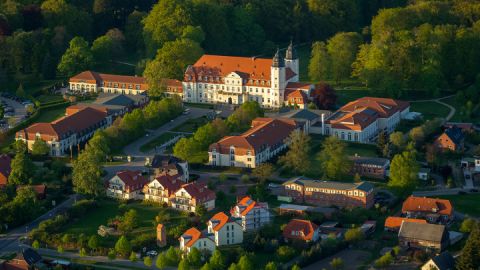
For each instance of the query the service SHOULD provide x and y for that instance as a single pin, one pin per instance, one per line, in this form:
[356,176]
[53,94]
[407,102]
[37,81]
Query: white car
[152,253]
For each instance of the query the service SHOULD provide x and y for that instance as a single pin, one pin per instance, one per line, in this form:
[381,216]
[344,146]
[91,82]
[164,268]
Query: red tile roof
[264,132]
[173,86]
[396,222]
[170,183]
[74,123]
[296,96]
[300,229]
[298,86]
[218,66]
[219,220]
[427,205]
[133,180]
[385,107]
[191,236]
[99,78]
[199,193]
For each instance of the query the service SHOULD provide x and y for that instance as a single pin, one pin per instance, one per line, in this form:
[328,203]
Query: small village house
[452,139]
[193,238]
[192,195]
[253,215]
[393,223]
[162,188]
[227,230]
[443,261]
[301,230]
[433,210]
[126,185]
[170,165]
[430,237]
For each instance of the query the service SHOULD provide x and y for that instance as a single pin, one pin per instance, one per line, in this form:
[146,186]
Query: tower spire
[291,53]
[277,60]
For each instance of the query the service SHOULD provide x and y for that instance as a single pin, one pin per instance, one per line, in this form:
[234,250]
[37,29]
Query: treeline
[427,45]
[194,149]
[34,34]
[87,169]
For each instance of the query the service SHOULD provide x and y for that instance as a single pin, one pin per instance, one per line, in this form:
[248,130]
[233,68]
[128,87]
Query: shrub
[285,253]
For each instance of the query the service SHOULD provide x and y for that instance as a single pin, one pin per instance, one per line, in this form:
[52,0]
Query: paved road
[10,241]
[133,149]
[20,111]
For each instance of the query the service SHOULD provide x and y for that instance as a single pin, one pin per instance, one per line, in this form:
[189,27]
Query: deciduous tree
[86,175]
[319,67]
[76,58]
[40,147]
[123,246]
[263,171]
[333,158]
[404,171]
[297,156]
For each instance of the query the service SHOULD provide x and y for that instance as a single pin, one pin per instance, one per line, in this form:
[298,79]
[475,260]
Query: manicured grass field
[191,125]
[48,115]
[466,204]
[430,109]
[157,141]
[459,116]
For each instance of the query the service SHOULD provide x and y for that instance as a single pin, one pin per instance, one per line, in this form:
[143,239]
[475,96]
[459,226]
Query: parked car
[152,253]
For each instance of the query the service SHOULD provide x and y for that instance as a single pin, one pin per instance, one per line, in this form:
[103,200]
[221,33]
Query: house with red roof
[431,209]
[94,82]
[162,188]
[253,215]
[5,169]
[260,143]
[393,223]
[192,195]
[126,185]
[452,139]
[194,238]
[301,230]
[227,230]
[363,119]
[67,132]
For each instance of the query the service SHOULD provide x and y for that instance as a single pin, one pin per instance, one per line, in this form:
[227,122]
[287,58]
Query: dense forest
[386,45]
[35,34]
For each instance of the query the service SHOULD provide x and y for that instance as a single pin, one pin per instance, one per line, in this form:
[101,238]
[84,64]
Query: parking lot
[14,108]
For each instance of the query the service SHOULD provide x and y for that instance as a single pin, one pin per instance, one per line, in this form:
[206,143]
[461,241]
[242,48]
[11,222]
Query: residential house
[28,259]
[371,167]
[199,239]
[301,230]
[330,193]
[393,223]
[190,196]
[173,87]
[93,82]
[5,169]
[126,185]
[170,165]
[423,236]
[443,261]
[67,132]
[465,127]
[227,230]
[260,143]
[253,215]
[433,210]
[162,188]
[471,164]
[451,139]
[363,119]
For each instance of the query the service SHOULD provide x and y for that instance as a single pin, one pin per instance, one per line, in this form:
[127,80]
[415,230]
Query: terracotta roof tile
[219,220]
[191,236]
[133,180]
[299,229]
[428,205]
[168,182]
[396,222]
[199,192]
[99,78]
[259,136]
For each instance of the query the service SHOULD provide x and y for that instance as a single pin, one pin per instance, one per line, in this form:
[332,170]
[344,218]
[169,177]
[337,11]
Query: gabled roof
[170,183]
[427,205]
[297,96]
[132,179]
[160,161]
[5,168]
[305,114]
[264,132]
[455,134]
[423,231]
[99,77]
[396,222]
[192,235]
[246,204]
[364,186]
[219,220]
[298,85]
[199,192]
[118,100]
[444,261]
[300,229]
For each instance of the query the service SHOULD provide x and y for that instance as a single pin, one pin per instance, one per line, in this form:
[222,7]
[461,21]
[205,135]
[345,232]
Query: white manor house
[234,80]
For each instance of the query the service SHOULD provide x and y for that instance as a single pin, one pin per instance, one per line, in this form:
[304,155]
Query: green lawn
[191,125]
[157,141]
[459,115]
[429,109]
[48,115]
[467,204]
